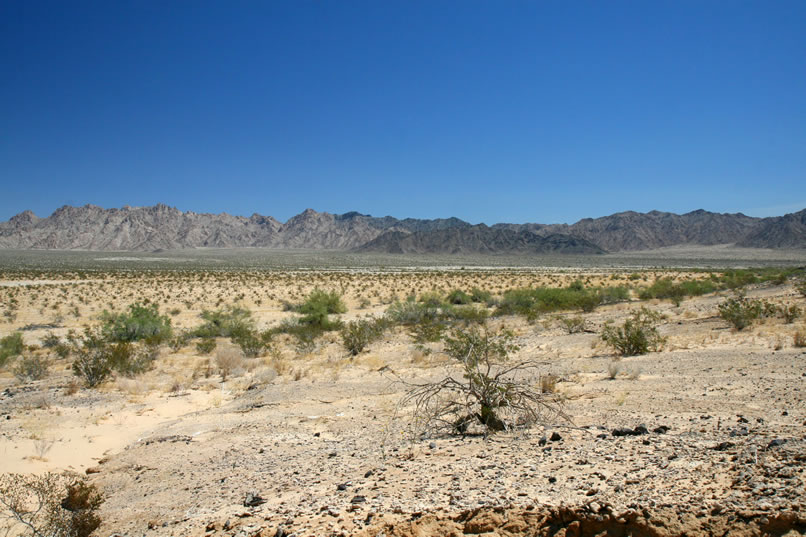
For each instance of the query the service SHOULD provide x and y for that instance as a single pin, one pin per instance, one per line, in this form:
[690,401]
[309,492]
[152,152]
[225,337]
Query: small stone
[542,441]
[432,445]
[555,437]
[253,500]
[552,479]
[776,442]
[358,499]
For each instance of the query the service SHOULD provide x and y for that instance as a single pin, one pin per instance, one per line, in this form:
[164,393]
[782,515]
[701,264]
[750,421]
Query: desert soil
[706,437]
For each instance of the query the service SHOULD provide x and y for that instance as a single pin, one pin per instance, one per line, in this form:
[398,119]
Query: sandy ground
[319,437]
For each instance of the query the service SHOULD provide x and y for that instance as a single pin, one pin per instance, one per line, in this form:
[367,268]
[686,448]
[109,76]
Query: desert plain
[706,436]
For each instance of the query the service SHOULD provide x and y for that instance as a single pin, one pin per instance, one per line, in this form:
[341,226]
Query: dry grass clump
[230,362]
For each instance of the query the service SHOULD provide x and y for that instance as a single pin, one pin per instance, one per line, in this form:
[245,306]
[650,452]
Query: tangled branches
[492,393]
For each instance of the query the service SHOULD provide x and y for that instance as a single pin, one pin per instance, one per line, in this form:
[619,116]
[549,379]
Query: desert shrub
[50,505]
[790,313]
[229,362]
[356,335]
[225,322]
[480,296]
[432,299]
[572,325]
[638,335]
[96,357]
[31,367]
[51,340]
[468,314]
[206,345]
[253,343]
[179,340]
[10,346]
[305,334]
[799,339]
[492,392]
[140,322]
[457,296]
[800,286]
[320,301]
[532,302]
[612,294]
[410,312]
[429,330]
[736,279]
[740,311]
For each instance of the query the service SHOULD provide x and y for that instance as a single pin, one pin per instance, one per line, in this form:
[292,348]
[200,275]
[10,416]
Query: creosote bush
[141,322]
[49,505]
[741,311]
[638,335]
[492,394]
[10,346]
[31,367]
[356,335]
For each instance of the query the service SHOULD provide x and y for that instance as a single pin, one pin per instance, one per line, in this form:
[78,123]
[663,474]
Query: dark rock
[341,486]
[555,437]
[542,441]
[253,500]
[663,429]
[358,499]
[776,442]
[432,445]
[723,446]
[552,479]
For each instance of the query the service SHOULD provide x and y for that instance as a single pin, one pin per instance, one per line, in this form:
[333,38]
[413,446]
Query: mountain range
[161,227]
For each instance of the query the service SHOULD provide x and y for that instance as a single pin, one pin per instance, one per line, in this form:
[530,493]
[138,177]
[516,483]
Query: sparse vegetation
[49,505]
[31,367]
[740,311]
[492,393]
[141,322]
[638,335]
[10,346]
[356,335]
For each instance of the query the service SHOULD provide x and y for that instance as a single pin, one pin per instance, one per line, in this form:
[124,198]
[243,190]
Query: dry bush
[50,505]
[613,369]
[229,361]
[491,394]
[799,339]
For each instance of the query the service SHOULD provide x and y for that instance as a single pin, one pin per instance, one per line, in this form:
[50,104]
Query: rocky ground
[707,437]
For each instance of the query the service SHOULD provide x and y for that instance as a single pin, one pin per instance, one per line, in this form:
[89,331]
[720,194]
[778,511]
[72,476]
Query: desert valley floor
[704,437]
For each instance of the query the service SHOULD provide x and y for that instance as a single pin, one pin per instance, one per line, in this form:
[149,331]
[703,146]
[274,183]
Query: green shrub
[10,346]
[740,311]
[226,322]
[206,345]
[51,341]
[322,301]
[638,335]
[532,302]
[141,322]
[468,314]
[96,357]
[676,292]
[458,296]
[356,335]
[410,313]
[253,343]
[428,330]
[305,333]
[572,325]
[479,296]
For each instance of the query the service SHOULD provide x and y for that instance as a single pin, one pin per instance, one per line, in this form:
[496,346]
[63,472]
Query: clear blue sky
[491,111]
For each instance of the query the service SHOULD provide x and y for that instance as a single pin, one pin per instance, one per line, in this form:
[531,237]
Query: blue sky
[511,111]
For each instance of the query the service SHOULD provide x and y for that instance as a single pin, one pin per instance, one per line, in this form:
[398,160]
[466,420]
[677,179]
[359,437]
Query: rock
[432,445]
[552,479]
[663,429]
[555,437]
[253,500]
[723,446]
[358,499]
[542,441]
[776,442]
[641,429]
[341,486]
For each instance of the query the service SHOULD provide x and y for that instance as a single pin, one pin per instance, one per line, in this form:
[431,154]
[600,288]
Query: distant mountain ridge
[162,227]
